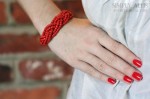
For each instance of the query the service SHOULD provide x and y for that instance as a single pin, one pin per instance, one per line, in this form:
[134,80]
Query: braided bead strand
[51,30]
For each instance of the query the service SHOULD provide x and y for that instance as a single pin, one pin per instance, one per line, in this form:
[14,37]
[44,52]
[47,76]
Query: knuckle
[127,69]
[71,61]
[117,75]
[112,59]
[115,46]
[102,36]
[101,67]
[128,55]
[95,74]
[74,63]
[101,76]
[88,42]
[94,47]
[81,54]
[90,72]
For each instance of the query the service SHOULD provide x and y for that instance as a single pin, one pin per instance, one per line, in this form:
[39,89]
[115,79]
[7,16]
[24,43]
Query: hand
[92,51]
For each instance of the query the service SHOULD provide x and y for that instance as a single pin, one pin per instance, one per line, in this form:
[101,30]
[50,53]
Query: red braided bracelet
[53,28]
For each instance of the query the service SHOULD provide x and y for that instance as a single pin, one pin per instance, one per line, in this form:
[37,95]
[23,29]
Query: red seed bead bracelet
[51,30]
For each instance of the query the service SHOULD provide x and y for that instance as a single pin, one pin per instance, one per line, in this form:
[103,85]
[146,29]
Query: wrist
[52,29]
[44,17]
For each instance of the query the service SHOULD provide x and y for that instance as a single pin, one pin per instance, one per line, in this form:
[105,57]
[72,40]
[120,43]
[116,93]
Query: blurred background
[28,70]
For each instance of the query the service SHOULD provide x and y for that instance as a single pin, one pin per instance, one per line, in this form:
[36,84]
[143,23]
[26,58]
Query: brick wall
[28,70]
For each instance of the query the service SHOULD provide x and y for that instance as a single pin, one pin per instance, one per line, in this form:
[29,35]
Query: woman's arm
[84,46]
[41,12]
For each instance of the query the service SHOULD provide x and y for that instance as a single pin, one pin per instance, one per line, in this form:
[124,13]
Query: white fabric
[131,27]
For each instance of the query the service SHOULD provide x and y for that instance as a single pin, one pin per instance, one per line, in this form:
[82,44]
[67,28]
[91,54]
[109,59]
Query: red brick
[36,93]
[11,43]
[5,73]
[3,19]
[48,69]
[19,15]
[74,5]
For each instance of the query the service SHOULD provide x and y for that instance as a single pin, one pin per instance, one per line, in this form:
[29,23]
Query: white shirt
[127,21]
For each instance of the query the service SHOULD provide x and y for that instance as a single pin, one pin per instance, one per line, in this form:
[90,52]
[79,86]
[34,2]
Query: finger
[106,69]
[120,50]
[87,68]
[116,62]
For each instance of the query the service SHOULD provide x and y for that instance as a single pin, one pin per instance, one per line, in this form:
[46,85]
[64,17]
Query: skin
[82,45]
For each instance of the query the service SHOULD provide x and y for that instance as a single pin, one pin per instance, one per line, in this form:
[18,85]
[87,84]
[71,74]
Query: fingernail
[137,62]
[112,81]
[128,79]
[137,76]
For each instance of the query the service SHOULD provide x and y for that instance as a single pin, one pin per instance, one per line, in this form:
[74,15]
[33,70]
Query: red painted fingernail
[112,81]
[137,62]
[128,79]
[137,76]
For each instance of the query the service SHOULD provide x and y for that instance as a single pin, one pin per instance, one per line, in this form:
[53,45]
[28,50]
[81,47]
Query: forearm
[41,12]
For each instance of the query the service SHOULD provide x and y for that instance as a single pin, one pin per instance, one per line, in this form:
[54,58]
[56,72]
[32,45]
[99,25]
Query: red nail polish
[137,62]
[128,79]
[137,76]
[112,81]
